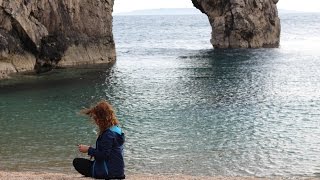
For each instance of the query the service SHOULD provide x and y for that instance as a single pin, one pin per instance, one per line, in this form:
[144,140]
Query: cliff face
[242,23]
[43,34]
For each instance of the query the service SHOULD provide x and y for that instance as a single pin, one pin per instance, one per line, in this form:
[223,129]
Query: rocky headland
[242,23]
[41,35]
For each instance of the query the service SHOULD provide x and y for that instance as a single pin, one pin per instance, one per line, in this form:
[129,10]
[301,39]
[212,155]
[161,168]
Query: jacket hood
[119,134]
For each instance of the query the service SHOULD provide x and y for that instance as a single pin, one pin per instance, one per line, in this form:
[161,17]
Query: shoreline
[11,175]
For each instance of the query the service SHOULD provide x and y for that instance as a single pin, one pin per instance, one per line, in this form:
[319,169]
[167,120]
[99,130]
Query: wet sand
[56,176]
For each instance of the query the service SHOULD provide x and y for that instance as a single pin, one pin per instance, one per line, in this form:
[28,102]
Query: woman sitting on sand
[108,154]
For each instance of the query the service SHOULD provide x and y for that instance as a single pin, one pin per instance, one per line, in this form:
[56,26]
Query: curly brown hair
[103,115]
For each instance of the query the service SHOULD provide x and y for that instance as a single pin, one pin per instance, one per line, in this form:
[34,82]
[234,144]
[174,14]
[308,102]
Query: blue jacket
[108,154]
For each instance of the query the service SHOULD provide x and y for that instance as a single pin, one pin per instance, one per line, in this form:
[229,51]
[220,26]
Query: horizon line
[157,9]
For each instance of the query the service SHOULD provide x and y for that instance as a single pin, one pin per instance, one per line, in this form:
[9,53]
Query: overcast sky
[131,5]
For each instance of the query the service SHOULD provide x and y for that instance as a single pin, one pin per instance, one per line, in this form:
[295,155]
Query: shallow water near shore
[185,108]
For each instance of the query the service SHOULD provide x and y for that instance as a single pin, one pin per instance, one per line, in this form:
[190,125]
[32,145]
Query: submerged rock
[44,34]
[242,23]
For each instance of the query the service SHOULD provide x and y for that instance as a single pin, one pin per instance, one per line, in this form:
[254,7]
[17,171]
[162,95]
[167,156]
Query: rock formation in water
[44,34]
[242,23]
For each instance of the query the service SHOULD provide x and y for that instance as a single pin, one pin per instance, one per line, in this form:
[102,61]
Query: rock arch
[242,23]
[44,34]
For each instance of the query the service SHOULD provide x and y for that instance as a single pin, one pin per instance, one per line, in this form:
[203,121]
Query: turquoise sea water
[185,108]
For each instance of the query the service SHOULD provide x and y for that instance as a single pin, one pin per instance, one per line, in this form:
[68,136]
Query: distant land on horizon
[183,11]
[163,11]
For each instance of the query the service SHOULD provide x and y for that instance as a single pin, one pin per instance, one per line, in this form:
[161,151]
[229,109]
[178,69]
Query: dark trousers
[83,166]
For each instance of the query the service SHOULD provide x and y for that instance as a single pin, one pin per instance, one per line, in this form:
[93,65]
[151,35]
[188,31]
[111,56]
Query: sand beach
[5,175]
